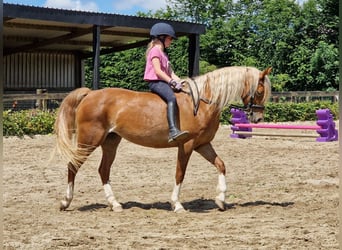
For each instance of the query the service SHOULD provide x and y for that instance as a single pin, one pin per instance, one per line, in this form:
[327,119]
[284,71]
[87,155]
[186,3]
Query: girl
[162,80]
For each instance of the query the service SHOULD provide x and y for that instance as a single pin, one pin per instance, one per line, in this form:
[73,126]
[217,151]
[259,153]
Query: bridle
[250,107]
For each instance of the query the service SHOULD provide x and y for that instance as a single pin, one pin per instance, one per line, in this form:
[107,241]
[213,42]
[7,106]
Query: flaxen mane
[225,84]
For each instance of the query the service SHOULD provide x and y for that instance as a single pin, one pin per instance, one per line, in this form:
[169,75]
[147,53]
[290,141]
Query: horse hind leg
[73,167]
[65,203]
[109,148]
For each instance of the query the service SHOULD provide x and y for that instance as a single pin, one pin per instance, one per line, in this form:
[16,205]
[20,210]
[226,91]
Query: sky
[125,7]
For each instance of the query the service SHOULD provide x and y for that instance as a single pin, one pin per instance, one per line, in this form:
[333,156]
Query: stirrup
[181,135]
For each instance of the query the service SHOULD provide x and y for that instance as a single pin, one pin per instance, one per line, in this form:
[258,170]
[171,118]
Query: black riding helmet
[162,29]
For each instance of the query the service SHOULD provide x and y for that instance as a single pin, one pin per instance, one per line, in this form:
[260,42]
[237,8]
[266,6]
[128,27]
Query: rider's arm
[161,74]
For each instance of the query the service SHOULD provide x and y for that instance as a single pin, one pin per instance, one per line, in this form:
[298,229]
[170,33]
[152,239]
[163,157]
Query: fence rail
[42,99]
[304,96]
[43,96]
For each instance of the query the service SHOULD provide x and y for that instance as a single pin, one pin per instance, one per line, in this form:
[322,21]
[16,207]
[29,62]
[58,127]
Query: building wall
[41,70]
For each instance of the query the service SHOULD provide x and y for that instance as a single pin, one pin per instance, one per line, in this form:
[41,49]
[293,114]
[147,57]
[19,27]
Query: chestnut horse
[103,117]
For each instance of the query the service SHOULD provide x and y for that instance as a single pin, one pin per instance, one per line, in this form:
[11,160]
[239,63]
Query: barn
[44,48]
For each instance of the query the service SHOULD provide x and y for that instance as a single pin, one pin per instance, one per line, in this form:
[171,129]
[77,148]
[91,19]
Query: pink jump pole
[277,126]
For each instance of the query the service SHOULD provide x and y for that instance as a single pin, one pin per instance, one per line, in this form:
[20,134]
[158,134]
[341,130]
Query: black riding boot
[174,132]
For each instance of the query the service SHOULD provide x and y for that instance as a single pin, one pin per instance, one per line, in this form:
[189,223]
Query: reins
[249,106]
[196,103]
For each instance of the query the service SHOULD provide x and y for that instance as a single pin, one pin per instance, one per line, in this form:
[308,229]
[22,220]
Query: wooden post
[96,56]
[194,55]
[41,103]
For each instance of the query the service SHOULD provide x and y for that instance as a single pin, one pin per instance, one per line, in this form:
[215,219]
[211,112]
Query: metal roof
[29,28]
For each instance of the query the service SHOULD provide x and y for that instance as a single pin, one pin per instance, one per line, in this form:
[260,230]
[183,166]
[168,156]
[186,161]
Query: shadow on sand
[197,205]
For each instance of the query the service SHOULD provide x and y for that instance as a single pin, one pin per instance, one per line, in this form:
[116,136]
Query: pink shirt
[150,74]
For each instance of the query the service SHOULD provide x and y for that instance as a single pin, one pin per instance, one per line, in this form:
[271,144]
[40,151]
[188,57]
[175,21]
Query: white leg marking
[175,199]
[68,198]
[116,206]
[221,188]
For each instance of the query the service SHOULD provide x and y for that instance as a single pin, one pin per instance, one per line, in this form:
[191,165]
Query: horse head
[256,97]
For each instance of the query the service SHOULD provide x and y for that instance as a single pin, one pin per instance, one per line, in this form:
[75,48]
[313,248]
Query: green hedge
[32,122]
[282,112]
[28,122]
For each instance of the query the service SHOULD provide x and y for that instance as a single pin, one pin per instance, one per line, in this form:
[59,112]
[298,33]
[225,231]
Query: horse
[88,119]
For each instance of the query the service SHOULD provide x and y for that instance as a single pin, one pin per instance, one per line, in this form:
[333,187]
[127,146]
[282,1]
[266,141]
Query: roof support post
[96,56]
[194,52]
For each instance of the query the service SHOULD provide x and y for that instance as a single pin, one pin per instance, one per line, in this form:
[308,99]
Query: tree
[314,62]
[329,21]
[121,69]
[199,11]
[324,65]
[299,42]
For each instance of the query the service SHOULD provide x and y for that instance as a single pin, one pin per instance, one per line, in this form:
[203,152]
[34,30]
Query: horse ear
[266,72]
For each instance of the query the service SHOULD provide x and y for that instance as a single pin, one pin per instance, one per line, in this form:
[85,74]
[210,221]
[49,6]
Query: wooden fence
[41,100]
[44,100]
[304,96]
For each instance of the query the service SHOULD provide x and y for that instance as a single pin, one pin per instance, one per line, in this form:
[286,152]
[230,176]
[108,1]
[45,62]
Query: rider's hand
[176,85]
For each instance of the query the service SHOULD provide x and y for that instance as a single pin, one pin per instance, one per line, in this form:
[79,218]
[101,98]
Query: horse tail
[65,127]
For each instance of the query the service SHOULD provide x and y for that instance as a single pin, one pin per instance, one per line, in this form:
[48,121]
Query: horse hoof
[180,210]
[117,209]
[220,204]
[62,206]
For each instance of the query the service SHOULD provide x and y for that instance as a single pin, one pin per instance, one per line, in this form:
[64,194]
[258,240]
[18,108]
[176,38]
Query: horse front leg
[208,152]
[182,162]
